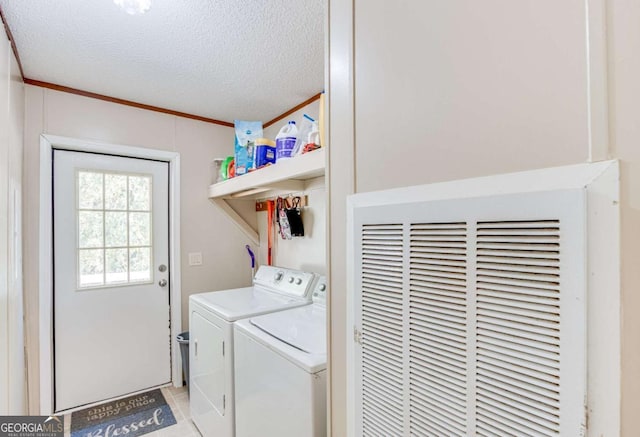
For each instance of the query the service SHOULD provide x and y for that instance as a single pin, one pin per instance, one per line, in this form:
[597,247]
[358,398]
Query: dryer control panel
[319,293]
[285,281]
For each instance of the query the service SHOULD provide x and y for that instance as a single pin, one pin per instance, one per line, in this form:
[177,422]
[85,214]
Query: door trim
[45,238]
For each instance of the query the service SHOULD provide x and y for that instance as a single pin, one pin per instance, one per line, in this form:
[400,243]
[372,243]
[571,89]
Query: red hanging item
[270,210]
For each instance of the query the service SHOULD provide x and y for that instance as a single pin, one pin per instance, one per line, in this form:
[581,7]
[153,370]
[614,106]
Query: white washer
[211,319]
[281,372]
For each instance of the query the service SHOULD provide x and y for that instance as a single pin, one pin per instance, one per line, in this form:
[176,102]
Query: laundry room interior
[320,218]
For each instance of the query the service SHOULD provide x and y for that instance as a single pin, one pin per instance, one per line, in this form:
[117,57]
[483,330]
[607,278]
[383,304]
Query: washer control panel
[285,281]
[319,293]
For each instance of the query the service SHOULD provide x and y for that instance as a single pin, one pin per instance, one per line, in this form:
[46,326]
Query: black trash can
[183,341]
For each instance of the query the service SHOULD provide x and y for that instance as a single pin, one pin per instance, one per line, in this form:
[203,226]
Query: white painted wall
[203,228]
[17,370]
[4,225]
[450,90]
[12,369]
[624,116]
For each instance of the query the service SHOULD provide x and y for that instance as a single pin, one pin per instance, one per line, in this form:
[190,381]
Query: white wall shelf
[288,175]
[284,177]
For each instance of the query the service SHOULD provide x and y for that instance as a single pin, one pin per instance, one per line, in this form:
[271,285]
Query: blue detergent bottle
[286,141]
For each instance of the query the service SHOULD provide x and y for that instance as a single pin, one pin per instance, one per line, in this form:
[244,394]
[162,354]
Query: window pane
[89,229]
[89,190]
[140,264]
[139,193]
[91,267]
[115,191]
[115,229]
[139,229]
[116,266]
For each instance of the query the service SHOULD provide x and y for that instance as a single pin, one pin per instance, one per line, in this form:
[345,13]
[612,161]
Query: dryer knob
[290,279]
[279,276]
[298,281]
[323,287]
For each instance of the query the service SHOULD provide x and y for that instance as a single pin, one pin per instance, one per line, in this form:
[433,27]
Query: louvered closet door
[470,317]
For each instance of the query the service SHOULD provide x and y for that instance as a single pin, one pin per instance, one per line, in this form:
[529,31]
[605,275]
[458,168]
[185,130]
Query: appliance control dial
[279,276]
[290,279]
[319,295]
[298,281]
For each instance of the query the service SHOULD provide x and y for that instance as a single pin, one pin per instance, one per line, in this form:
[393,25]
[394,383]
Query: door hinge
[223,348]
[357,336]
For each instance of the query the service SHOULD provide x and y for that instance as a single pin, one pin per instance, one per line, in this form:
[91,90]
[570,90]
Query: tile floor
[178,400]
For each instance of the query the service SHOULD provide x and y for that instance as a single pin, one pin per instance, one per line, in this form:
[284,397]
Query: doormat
[136,415]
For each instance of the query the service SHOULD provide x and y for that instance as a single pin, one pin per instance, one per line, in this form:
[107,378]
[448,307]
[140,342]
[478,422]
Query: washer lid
[240,303]
[303,328]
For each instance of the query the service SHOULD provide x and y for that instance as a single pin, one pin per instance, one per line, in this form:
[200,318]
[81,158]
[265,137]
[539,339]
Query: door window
[114,228]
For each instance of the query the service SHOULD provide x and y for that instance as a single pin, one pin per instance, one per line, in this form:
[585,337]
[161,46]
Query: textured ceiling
[222,59]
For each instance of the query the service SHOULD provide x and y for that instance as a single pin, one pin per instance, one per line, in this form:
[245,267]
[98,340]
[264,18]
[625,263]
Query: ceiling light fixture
[134,7]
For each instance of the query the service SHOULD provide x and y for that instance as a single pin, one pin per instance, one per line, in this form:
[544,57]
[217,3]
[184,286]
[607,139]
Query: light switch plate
[195,259]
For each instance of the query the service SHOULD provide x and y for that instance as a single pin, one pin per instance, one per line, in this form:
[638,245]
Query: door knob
[162,268]
[162,282]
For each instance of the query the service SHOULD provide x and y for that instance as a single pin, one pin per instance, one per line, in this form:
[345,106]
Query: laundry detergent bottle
[286,141]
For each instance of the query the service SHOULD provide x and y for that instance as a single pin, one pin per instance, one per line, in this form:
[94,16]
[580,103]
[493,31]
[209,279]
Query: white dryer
[281,372]
[211,319]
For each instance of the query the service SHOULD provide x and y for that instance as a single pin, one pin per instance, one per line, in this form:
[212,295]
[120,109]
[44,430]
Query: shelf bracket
[238,220]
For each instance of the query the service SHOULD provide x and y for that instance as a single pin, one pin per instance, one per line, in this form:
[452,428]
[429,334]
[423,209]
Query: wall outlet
[195,259]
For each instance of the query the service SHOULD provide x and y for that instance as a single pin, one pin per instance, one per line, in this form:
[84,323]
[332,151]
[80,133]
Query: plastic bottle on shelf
[216,170]
[286,141]
[313,139]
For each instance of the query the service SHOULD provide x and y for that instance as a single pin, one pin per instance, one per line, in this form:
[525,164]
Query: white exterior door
[111,277]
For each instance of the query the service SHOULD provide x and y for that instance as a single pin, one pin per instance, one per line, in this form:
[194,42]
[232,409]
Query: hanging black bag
[294,215]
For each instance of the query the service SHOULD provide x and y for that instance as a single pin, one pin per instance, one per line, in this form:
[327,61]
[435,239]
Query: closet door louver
[382,315]
[470,317]
[437,323]
[518,328]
